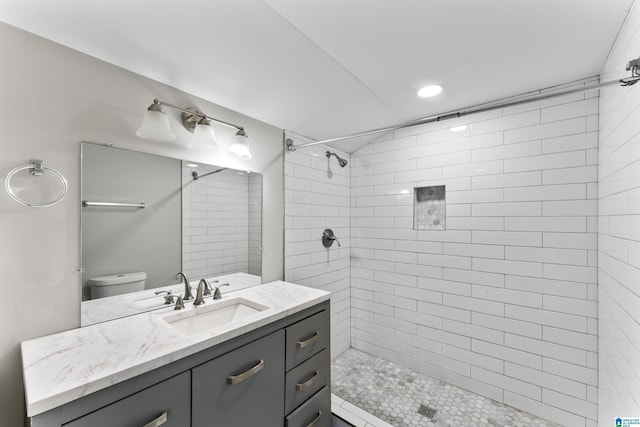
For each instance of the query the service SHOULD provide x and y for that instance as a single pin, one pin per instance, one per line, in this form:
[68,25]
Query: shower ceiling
[325,68]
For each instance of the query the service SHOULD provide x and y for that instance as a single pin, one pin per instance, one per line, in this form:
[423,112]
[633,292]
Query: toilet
[117,284]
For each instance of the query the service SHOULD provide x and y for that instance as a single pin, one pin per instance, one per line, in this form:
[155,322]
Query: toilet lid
[117,279]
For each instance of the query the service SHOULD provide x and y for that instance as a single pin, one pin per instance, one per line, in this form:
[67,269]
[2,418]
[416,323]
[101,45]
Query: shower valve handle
[328,238]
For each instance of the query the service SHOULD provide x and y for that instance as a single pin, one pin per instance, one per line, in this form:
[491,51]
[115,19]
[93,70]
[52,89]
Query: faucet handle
[216,293]
[168,298]
[328,238]
[179,304]
[207,287]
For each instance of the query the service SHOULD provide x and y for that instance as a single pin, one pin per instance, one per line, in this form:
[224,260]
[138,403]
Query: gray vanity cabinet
[244,387]
[275,376]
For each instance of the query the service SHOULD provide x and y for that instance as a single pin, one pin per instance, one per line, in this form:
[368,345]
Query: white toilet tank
[117,284]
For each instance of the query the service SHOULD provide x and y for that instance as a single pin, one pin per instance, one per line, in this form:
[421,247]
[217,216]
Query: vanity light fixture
[429,91]
[204,133]
[155,126]
[240,145]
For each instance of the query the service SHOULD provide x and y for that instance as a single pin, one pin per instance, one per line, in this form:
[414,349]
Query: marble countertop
[63,367]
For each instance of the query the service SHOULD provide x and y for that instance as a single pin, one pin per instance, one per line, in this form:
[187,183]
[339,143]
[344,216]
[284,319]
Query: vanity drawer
[306,338]
[140,409]
[315,412]
[244,387]
[306,379]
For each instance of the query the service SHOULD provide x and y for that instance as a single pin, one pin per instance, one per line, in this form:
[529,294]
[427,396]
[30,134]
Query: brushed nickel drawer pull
[314,338]
[235,379]
[315,420]
[164,416]
[308,382]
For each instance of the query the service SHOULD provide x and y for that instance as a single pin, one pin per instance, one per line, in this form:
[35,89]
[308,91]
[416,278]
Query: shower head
[342,161]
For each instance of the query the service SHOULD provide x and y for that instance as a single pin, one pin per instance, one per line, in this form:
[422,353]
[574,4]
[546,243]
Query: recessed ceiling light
[429,91]
[458,128]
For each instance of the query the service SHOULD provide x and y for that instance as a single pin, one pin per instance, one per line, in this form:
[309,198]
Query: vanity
[257,357]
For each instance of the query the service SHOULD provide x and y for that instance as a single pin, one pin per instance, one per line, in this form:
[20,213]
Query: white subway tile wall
[317,196]
[499,303]
[215,223]
[255,224]
[618,237]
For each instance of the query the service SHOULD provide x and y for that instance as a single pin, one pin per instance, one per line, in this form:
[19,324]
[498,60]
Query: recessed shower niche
[429,208]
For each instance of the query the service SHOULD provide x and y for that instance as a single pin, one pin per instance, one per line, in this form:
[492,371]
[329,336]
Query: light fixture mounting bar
[193,112]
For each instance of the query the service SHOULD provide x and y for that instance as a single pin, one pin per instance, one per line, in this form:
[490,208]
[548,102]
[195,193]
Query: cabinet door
[244,387]
[166,403]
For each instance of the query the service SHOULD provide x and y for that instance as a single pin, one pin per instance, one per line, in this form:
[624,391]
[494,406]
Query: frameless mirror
[146,217]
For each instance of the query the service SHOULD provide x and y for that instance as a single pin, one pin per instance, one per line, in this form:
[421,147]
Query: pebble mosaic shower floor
[405,398]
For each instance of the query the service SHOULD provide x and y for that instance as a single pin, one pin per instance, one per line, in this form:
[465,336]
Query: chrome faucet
[216,293]
[202,285]
[187,288]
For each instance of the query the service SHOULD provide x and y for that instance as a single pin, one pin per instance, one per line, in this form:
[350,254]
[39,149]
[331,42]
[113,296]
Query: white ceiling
[325,68]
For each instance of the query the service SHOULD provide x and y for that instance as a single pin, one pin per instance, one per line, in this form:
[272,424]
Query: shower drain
[427,411]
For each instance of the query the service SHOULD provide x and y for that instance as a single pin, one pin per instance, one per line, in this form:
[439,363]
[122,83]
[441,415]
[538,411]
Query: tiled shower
[508,301]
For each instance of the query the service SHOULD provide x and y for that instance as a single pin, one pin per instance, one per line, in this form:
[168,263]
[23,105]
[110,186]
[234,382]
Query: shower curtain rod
[629,81]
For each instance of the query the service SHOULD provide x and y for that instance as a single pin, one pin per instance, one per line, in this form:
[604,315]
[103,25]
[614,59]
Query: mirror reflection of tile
[429,208]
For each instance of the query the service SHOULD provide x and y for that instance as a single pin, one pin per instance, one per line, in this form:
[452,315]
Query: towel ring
[37,168]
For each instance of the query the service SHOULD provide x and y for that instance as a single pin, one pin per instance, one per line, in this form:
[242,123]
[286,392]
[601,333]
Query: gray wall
[124,240]
[74,98]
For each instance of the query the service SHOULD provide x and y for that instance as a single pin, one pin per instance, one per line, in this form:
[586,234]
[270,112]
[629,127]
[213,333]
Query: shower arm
[633,65]
[195,175]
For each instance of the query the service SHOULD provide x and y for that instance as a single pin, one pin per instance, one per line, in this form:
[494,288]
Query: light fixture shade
[155,125]
[204,133]
[240,145]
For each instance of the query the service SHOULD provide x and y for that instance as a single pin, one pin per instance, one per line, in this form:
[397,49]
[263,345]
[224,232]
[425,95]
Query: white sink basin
[213,315]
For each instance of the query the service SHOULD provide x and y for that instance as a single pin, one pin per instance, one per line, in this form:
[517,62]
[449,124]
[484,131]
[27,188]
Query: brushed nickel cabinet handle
[315,420]
[164,416]
[314,338]
[308,382]
[235,379]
